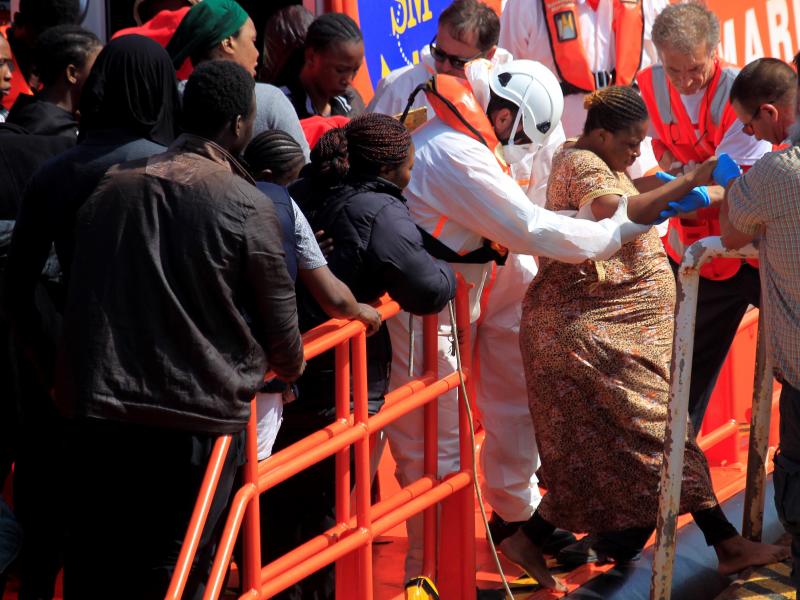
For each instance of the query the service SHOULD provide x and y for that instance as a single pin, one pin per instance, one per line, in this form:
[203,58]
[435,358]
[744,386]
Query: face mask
[514,153]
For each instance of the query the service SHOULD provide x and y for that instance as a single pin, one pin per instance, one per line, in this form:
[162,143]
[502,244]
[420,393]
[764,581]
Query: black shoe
[560,538]
[501,529]
[592,549]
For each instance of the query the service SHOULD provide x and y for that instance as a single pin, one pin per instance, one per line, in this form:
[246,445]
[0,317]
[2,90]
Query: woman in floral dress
[596,340]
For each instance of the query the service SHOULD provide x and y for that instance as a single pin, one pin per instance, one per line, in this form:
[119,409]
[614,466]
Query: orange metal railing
[349,542]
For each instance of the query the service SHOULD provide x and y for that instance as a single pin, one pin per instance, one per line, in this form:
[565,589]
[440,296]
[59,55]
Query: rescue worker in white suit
[592,44]
[509,456]
[467,30]
[462,195]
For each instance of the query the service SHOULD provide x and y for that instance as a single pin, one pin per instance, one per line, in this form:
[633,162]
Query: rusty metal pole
[675,435]
[757,452]
[677,419]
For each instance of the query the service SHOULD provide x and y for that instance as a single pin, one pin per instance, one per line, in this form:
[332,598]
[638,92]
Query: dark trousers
[627,543]
[132,490]
[36,448]
[787,473]
[300,508]
[721,305]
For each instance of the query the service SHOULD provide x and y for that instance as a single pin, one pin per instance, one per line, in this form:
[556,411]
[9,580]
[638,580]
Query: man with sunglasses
[691,120]
[763,204]
[467,30]
[764,98]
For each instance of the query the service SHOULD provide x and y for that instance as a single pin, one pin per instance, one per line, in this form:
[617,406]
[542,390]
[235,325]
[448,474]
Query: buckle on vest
[603,79]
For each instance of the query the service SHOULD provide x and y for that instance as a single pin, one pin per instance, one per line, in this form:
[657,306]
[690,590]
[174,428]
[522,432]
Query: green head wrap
[204,26]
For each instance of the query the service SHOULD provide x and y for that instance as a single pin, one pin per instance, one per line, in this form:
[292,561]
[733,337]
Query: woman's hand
[325,243]
[370,317]
[703,175]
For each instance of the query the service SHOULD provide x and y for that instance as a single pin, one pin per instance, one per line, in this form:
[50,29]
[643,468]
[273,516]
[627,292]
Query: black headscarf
[133,87]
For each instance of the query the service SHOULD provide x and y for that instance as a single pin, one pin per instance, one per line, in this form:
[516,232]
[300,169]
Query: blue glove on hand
[694,200]
[664,176]
[726,170]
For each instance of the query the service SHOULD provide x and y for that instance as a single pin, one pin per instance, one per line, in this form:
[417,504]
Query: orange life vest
[676,132]
[18,83]
[563,29]
[454,103]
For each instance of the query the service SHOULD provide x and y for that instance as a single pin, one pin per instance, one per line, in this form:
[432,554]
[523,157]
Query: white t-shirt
[744,149]
[309,255]
[269,416]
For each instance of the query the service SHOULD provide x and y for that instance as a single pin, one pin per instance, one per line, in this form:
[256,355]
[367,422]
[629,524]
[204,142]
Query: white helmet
[533,87]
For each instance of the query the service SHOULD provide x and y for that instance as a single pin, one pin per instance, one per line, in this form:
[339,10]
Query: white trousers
[509,456]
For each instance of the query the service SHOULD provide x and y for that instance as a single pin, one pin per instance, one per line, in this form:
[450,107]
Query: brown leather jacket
[179,298]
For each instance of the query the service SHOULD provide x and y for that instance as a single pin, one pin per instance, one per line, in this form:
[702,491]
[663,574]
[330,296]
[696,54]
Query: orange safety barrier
[349,542]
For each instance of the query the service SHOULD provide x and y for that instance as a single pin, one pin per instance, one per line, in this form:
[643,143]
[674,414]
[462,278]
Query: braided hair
[615,108]
[277,151]
[366,146]
[331,28]
[61,46]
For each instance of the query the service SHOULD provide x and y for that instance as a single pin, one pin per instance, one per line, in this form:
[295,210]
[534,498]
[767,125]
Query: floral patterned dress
[596,341]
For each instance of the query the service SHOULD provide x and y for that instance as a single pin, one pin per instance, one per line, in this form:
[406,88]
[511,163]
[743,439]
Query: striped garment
[767,198]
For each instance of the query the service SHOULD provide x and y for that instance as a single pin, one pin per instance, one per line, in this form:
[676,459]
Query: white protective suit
[523,32]
[509,456]
[458,177]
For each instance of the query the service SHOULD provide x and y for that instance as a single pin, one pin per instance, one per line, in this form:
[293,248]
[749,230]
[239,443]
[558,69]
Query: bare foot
[737,553]
[520,550]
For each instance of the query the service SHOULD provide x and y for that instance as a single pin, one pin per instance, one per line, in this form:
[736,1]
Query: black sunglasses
[457,62]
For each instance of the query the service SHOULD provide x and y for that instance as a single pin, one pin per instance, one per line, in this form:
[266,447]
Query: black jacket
[40,117]
[170,254]
[377,249]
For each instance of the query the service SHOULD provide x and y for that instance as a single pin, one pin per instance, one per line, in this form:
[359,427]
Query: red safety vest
[564,32]
[18,83]
[676,132]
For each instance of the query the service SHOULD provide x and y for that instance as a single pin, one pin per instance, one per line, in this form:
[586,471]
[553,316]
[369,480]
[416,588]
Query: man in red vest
[592,44]
[692,119]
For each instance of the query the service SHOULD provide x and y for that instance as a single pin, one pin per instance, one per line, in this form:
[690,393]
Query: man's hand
[667,161]
[726,170]
[696,199]
[370,317]
[290,377]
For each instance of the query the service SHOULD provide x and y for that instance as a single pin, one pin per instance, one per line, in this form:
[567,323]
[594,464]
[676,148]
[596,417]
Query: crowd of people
[178,205]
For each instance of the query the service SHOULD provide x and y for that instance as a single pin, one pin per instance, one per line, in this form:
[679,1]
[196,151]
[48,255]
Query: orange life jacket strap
[454,103]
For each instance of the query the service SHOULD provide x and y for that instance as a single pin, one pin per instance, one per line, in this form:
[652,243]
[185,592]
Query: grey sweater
[274,111]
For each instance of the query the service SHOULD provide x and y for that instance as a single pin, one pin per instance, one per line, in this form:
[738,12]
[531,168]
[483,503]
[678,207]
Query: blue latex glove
[697,198]
[664,176]
[726,170]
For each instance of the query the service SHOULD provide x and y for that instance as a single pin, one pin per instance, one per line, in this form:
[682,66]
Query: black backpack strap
[479,256]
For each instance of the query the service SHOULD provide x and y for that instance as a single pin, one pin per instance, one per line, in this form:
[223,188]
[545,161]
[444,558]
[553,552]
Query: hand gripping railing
[674,443]
[349,543]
